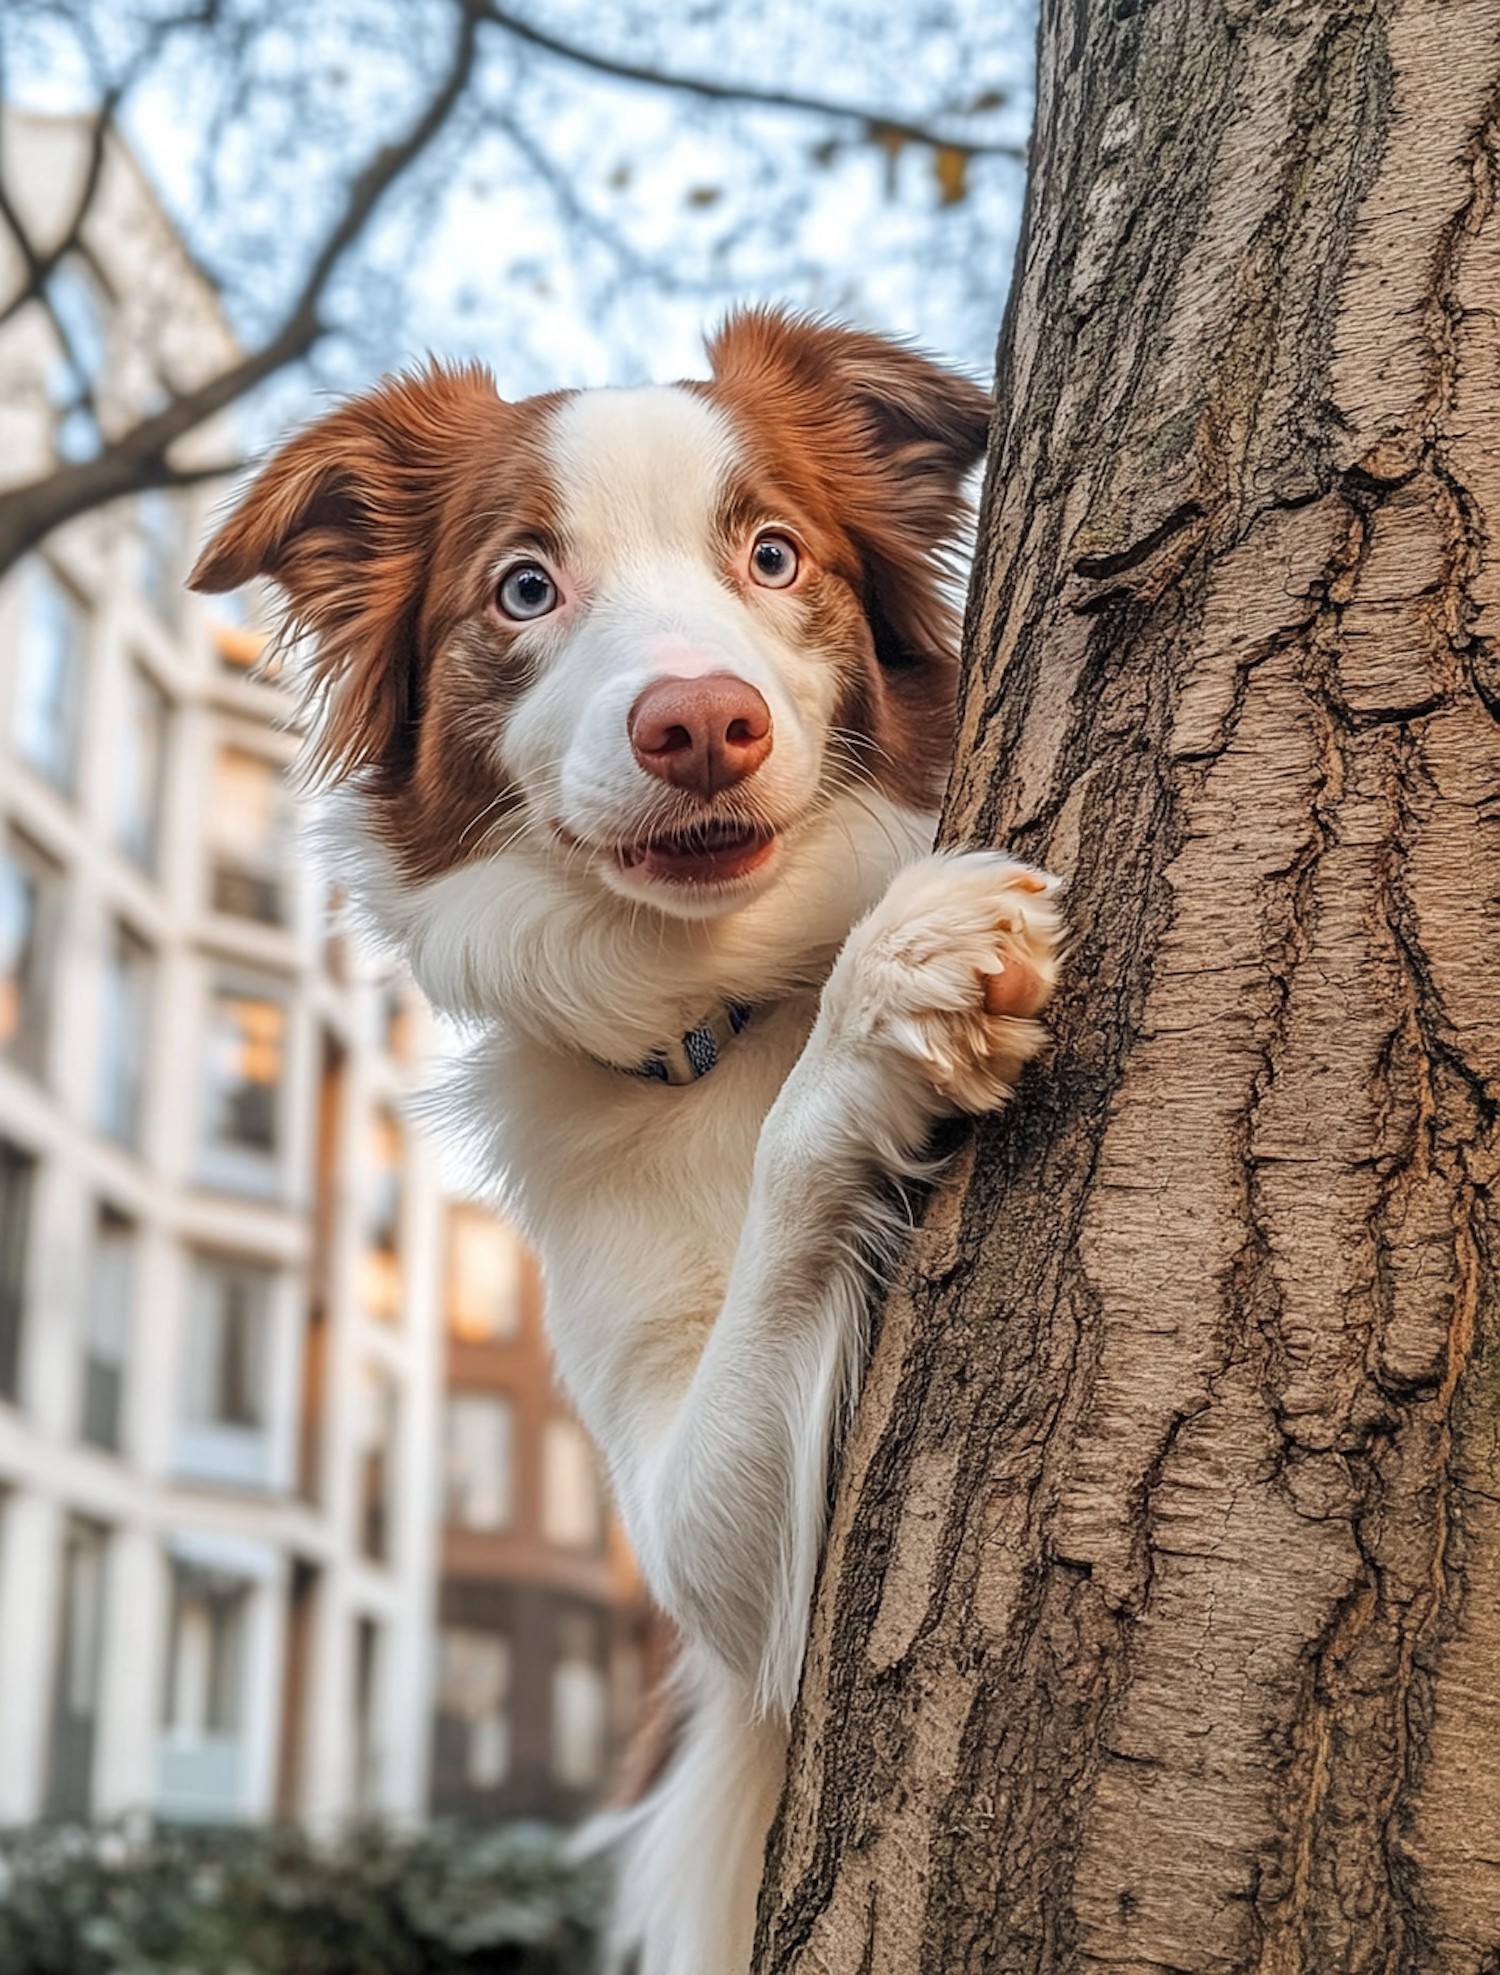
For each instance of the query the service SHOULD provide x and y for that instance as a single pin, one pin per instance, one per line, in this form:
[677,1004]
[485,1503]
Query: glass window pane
[478,1458]
[54,638]
[377,1458]
[205,1661]
[107,1334]
[474,1671]
[580,1712]
[124,1029]
[382,1258]
[249,826]
[17,1171]
[141,770]
[79,1657]
[227,1347]
[31,893]
[486,1276]
[246,1060]
[572,1511]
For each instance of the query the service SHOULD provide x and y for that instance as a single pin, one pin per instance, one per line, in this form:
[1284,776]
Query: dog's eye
[773,562]
[526,592]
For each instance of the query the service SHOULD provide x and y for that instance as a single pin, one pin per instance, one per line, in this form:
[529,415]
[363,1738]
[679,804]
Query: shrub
[129,1900]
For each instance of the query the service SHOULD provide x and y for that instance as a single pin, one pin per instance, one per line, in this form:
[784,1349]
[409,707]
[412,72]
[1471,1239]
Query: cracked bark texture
[1160,1622]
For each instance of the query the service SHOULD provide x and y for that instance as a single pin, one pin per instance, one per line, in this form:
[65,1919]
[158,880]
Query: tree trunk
[1160,1622]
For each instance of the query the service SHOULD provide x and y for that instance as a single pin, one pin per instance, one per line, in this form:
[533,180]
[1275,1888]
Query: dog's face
[655,632]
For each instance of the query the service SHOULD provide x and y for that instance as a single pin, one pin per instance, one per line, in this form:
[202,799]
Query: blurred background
[294,1526]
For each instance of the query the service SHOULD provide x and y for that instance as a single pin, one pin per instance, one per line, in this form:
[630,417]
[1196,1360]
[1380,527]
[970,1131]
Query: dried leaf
[950,167]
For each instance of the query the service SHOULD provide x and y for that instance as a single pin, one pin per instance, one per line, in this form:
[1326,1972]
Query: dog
[635,707]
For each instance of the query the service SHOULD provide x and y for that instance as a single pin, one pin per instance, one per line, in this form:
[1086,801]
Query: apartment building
[546,1642]
[220,1244]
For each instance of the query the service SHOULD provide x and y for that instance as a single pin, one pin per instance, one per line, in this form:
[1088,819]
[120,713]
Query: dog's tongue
[700,860]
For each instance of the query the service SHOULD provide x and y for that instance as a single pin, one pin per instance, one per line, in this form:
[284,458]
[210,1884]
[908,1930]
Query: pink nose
[701,734]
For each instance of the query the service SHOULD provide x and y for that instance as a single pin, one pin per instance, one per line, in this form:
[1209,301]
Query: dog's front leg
[926,1012]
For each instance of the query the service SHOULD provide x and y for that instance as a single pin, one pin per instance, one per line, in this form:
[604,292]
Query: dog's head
[658,631]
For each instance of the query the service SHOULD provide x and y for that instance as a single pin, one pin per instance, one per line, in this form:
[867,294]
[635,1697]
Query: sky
[571,229]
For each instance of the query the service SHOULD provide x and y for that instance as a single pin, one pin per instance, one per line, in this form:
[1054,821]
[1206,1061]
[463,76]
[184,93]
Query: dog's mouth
[709,853]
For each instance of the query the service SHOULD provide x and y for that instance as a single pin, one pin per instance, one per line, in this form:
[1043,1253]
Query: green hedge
[125,1900]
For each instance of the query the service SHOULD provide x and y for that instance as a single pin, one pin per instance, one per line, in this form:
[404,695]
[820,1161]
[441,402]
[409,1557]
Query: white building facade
[220,1334]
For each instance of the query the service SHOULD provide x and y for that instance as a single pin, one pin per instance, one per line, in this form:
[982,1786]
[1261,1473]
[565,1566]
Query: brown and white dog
[638,705]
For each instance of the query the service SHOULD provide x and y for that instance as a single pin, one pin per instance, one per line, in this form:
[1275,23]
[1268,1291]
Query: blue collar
[685,1059]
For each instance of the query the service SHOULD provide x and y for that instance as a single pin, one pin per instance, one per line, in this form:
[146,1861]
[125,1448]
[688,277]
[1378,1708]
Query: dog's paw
[949,970]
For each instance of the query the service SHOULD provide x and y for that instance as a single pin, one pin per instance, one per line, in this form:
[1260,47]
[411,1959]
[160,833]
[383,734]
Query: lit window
[126,1018]
[477,1484]
[382,1258]
[572,1512]
[486,1276]
[31,892]
[206,1658]
[54,638]
[141,770]
[473,1702]
[106,1344]
[579,1705]
[17,1172]
[249,822]
[246,1050]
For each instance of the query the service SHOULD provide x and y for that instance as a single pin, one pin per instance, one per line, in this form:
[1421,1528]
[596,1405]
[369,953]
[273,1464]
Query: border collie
[636,706]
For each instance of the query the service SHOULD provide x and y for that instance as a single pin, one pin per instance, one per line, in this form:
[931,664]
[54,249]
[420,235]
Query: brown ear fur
[344,520]
[888,436]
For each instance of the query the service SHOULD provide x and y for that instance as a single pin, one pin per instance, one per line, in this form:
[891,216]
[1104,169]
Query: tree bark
[1159,1627]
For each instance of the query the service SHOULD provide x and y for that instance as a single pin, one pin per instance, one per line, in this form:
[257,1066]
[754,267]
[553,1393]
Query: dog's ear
[343,519]
[885,437]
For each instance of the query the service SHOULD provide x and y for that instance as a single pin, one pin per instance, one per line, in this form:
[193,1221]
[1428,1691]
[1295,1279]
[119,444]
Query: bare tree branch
[140,457]
[137,459]
[877,123]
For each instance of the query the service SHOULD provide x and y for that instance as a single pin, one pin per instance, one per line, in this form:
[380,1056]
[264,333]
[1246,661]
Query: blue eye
[527,591]
[773,562]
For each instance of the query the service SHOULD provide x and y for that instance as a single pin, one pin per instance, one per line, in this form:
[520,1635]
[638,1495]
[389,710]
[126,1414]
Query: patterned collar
[684,1059]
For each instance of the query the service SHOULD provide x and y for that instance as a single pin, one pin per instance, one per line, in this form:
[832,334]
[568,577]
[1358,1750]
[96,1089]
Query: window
[377,1459]
[486,1276]
[141,770]
[572,1512]
[246,1066]
[159,520]
[247,832]
[227,1357]
[382,1260]
[126,1017]
[367,1760]
[473,1703]
[31,894]
[107,1336]
[202,1757]
[206,1657]
[579,1704]
[477,1482]
[75,1699]
[54,639]
[225,1392]
[17,1171]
